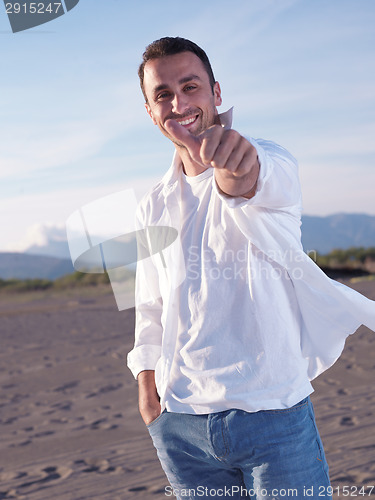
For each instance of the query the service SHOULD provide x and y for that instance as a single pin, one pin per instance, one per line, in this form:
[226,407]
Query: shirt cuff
[144,357]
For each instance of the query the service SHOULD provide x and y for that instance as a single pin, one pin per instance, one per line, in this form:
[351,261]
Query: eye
[190,87]
[162,95]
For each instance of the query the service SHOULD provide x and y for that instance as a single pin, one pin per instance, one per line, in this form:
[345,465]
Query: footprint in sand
[105,389]
[48,474]
[102,424]
[9,420]
[23,443]
[11,475]
[8,386]
[349,421]
[133,469]
[156,490]
[365,447]
[64,405]
[43,434]
[62,420]
[138,488]
[98,424]
[354,366]
[330,381]
[349,479]
[68,385]
[343,392]
[99,465]
[5,495]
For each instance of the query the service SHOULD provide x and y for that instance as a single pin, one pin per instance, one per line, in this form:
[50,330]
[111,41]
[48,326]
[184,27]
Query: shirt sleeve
[148,304]
[278,185]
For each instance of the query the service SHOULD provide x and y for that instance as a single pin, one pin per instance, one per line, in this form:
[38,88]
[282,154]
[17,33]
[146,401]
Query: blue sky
[73,126]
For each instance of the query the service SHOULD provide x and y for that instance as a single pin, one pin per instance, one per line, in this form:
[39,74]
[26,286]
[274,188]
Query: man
[232,327]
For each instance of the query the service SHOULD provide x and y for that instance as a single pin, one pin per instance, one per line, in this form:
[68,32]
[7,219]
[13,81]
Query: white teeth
[186,122]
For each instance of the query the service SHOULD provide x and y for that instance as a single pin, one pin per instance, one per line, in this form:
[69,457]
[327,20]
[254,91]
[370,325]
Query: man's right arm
[148,398]
[144,356]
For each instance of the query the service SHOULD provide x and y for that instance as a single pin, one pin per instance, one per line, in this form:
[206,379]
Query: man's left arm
[258,173]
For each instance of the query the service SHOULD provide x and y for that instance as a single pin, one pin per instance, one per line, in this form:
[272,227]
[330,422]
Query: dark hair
[168,46]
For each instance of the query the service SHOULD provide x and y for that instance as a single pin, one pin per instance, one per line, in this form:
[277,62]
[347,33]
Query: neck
[189,166]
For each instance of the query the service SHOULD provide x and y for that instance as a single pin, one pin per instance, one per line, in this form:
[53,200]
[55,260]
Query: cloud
[46,239]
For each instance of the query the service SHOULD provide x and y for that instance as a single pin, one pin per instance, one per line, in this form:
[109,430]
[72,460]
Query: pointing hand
[233,157]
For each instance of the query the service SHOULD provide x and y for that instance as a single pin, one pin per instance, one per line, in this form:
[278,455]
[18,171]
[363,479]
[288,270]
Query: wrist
[147,392]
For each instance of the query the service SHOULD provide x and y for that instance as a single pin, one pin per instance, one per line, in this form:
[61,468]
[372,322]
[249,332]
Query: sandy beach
[69,422]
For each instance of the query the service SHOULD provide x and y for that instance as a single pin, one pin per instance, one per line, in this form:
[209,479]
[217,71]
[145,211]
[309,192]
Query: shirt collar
[226,118]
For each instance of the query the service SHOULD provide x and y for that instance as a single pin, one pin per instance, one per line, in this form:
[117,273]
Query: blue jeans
[235,454]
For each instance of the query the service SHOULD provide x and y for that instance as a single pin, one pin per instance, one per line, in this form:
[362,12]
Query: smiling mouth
[188,121]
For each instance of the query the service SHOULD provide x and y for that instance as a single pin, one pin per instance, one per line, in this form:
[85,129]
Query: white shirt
[252,342]
[238,338]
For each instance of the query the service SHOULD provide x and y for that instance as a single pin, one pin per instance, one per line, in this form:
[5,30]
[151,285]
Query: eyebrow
[183,80]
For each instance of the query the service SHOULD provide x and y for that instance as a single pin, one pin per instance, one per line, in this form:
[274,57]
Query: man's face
[178,87]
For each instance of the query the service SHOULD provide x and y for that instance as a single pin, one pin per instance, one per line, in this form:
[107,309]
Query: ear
[149,112]
[217,94]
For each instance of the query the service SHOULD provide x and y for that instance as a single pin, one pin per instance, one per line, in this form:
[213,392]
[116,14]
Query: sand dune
[69,423]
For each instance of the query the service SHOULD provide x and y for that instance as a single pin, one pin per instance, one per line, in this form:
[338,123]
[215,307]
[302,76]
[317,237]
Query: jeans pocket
[156,420]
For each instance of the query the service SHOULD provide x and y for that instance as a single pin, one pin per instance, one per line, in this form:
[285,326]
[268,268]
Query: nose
[179,103]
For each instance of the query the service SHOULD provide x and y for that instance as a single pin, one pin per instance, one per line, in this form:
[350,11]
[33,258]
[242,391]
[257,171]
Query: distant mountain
[59,249]
[343,231]
[322,234]
[24,266]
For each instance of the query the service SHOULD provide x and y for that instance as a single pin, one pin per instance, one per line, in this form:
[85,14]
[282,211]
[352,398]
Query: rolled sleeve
[143,357]
[149,307]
